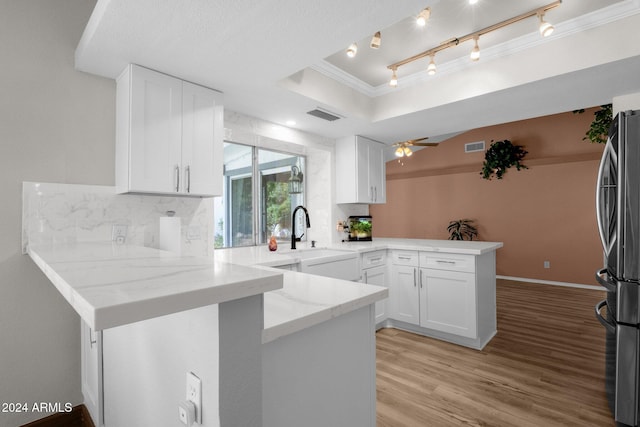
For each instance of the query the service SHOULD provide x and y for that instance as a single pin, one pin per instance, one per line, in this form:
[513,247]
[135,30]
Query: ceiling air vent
[472,147]
[325,115]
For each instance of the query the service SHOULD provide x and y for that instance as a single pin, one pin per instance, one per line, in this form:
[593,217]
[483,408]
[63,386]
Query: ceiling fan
[404,147]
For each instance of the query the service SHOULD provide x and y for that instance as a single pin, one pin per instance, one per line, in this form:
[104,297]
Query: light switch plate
[194,394]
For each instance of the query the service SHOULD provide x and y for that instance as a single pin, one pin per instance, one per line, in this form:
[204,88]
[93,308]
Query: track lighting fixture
[394,79]
[475,52]
[352,50]
[545,28]
[423,17]
[431,69]
[375,40]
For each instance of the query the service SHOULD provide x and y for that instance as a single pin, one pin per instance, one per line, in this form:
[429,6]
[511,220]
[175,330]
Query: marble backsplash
[67,213]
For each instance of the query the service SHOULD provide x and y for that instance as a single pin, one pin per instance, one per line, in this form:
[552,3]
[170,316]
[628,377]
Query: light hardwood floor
[545,367]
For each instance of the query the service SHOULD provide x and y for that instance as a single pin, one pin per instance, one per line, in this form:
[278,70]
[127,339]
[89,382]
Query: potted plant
[501,156]
[361,229]
[461,229]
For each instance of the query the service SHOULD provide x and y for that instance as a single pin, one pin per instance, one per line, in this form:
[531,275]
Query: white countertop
[111,285]
[307,300]
[448,246]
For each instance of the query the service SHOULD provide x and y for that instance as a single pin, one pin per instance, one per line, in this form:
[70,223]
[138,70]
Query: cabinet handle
[366,278]
[375,259]
[375,197]
[187,170]
[371,197]
[441,261]
[91,340]
[414,277]
[420,279]
[177,178]
[404,257]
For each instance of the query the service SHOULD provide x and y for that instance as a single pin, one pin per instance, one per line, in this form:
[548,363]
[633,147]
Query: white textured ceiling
[277,59]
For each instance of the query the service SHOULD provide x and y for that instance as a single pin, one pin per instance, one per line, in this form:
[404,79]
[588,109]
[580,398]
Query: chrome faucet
[295,239]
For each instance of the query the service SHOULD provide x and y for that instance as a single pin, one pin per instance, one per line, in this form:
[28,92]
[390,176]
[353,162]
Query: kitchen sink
[327,262]
[317,253]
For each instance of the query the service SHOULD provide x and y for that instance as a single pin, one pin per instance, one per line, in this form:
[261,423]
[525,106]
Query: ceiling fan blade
[409,142]
[413,141]
[425,144]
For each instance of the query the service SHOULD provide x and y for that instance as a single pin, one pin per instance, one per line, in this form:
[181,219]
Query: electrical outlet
[547,264]
[119,233]
[194,394]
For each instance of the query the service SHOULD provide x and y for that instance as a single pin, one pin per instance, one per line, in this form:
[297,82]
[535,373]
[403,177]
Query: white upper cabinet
[360,171]
[169,135]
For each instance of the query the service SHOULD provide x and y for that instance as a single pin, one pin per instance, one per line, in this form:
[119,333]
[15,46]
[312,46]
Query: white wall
[56,125]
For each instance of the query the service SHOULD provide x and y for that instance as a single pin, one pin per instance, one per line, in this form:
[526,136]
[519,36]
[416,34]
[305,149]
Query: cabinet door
[201,143]
[448,302]
[404,294]
[156,131]
[377,276]
[91,372]
[377,175]
[364,191]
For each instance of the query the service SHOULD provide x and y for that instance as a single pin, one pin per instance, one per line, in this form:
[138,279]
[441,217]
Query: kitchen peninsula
[271,347]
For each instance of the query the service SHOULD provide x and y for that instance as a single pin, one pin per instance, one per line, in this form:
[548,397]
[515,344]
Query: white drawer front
[405,258]
[374,259]
[451,262]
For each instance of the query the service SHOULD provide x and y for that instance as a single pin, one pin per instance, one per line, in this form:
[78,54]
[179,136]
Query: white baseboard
[551,282]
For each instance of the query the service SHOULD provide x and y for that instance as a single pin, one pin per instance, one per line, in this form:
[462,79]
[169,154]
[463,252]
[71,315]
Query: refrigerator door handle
[602,277]
[610,327]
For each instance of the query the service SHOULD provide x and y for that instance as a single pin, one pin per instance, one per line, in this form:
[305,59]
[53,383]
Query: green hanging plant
[462,228]
[599,129]
[501,156]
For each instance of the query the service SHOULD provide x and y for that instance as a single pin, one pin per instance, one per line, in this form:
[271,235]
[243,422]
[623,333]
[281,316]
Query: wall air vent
[472,147]
[324,114]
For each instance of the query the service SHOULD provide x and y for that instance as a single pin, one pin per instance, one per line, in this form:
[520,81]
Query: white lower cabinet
[91,372]
[448,301]
[377,276]
[404,295]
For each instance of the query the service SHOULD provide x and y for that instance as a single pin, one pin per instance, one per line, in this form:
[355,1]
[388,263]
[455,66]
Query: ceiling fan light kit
[544,27]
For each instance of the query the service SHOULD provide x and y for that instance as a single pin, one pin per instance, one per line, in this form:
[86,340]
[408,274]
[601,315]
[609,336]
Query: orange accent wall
[544,213]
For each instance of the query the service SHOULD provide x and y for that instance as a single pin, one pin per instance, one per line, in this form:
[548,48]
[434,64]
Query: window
[270,183]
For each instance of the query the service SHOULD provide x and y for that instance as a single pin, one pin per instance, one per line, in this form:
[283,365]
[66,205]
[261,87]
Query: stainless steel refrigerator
[618,212]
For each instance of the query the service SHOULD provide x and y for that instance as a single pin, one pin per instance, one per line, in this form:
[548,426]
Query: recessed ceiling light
[290,122]
[473,1]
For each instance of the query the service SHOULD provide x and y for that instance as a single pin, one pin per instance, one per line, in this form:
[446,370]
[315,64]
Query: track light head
[394,79]
[431,69]
[545,28]
[423,17]
[375,40]
[352,50]
[475,52]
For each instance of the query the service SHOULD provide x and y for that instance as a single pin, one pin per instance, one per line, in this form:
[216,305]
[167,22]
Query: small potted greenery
[501,156]
[462,229]
[361,229]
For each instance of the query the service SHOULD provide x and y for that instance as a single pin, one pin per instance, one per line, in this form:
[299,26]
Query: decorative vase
[273,244]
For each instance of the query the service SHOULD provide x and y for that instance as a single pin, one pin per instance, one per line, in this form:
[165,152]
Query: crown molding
[581,23]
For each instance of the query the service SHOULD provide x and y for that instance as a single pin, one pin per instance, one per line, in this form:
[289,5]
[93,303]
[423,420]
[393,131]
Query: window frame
[257,196]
